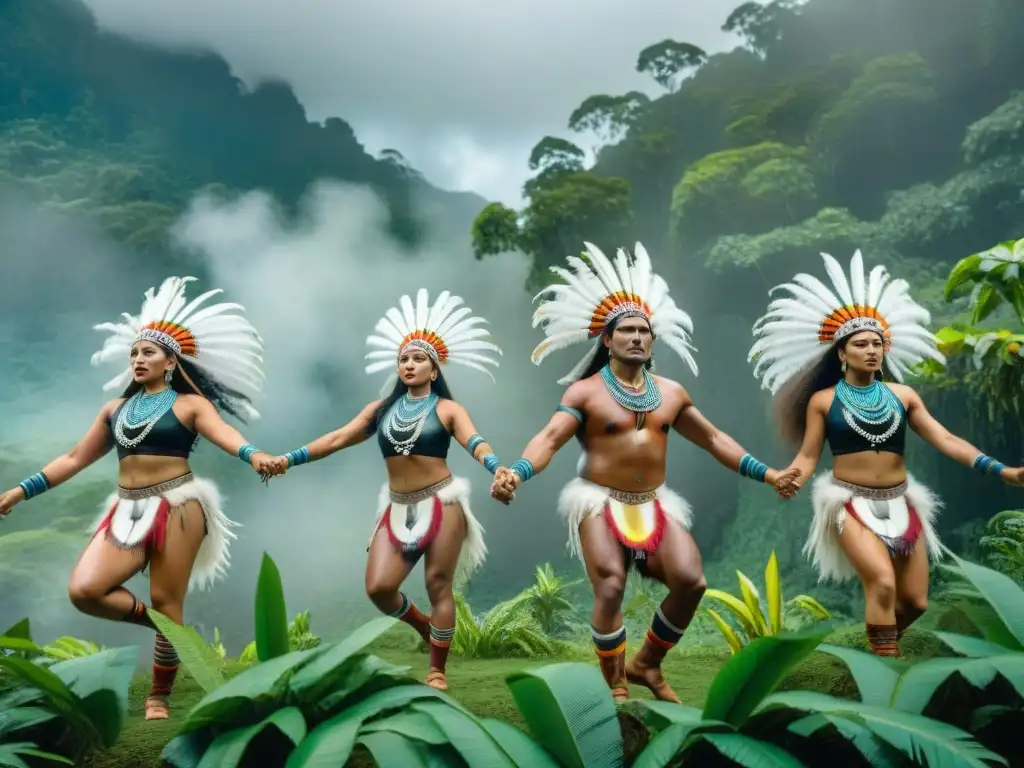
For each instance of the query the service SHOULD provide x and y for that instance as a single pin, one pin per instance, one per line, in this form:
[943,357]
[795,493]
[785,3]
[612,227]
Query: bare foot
[651,678]
[157,708]
[436,679]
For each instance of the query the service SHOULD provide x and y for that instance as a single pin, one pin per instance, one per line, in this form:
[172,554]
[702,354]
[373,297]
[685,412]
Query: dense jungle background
[893,127]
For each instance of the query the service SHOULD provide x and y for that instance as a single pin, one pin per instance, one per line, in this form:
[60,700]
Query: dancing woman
[825,349]
[184,363]
[422,508]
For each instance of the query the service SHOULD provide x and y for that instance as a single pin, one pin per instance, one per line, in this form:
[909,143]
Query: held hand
[263,465]
[787,483]
[1012,476]
[504,486]
[8,499]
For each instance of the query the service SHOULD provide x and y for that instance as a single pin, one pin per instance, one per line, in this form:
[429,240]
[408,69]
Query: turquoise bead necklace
[872,405]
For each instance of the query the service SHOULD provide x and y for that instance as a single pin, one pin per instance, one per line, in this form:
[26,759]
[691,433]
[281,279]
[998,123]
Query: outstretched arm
[958,449]
[806,461]
[692,424]
[542,448]
[462,429]
[209,424]
[94,445]
[353,433]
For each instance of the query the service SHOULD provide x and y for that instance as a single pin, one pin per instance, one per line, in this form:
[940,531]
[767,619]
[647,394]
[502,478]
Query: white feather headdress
[217,339]
[804,325]
[597,293]
[446,332]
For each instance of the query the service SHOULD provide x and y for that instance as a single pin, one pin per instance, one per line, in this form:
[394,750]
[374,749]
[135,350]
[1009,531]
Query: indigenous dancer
[825,349]
[619,510]
[184,362]
[422,508]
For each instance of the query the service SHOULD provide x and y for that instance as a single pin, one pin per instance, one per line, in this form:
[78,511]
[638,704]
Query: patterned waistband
[421,495]
[154,490]
[875,494]
[635,499]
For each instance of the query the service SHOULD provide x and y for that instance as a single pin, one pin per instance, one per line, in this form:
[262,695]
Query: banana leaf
[1001,593]
[271,613]
[229,749]
[195,653]
[101,682]
[919,683]
[876,680]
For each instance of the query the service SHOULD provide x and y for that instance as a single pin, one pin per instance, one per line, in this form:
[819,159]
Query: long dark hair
[439,387]
[603,355]
[791,402]
[223,398]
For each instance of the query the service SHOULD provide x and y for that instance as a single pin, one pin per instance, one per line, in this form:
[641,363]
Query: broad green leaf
[248,697]
[735,643]
[186,750]
[195,653]
[1005,597]
[465,734]
[523,750]
[752,600]
[54,691]
[389,749]
[361,676]
[876,681]
[750,675]
[966,270]
[812,606]
[10,754]
[20,630]
[984,617]
[21,645]
[987,301]
[738,608]
[918,685]
[773,593]
[411,725]
[659,715]
[925,741]
[966,645]
[271,613]
[101,682]
[330,743]
[749,753]
[570,712]
[668,743]
[15,719]
[322,674]
[877,753]
[228,749]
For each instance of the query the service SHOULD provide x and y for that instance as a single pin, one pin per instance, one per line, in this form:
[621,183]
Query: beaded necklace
[405,421]
[142,411]
[872,405]
[639,400]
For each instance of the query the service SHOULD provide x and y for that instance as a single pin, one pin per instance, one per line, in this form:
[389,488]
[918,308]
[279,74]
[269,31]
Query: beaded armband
[752,468]
[491,462]
[35,485]
[298,456]
[473,443]
[523,468]
[571,411]
[246,451]
[987,465]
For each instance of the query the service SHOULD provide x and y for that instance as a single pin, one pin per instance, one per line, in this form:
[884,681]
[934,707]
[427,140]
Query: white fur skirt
[137,519]
[899,517]
[412,521]
[637,519]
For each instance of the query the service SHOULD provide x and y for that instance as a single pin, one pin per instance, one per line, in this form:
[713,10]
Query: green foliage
[68,707]
[549,599]
[554,154]
[998,134]
[760,25]
[1004,542]
[300,638]
[757,619]
[204,664]
[271,613]
[509,629]
[762,180]
[608,116]
[667,60]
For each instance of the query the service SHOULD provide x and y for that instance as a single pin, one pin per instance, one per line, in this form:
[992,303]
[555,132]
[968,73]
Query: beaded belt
[154,490]
[875,494]
[634,499]
[421,495]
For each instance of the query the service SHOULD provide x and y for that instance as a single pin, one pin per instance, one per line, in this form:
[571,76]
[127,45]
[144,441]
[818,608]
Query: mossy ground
[479,684]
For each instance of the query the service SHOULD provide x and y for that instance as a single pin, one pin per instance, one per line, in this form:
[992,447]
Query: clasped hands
[267,466]
[787,482]
[505,484]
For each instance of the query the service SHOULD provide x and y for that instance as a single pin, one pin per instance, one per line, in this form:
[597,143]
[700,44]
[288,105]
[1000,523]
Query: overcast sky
[462,88]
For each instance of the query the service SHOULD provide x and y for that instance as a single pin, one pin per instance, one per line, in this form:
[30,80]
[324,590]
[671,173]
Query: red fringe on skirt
[651,542]
[154,540]
[424,541]
[899,545]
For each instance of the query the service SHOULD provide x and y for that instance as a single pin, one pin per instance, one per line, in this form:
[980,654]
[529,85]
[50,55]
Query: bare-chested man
[618,510]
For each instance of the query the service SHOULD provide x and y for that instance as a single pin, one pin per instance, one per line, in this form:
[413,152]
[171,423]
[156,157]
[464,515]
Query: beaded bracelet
[987,465]
[34,485]
[473,443]
[491,463]
[523,468]
[246,451]
[298,456]
[752,468]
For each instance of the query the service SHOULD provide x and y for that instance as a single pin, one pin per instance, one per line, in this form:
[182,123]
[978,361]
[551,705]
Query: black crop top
[433,440]
[168,437]
[844,439]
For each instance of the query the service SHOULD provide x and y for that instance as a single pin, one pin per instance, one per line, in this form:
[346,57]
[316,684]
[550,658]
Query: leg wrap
[663,632]
[440,641]
[884,639]
[137,615]
[611,655]
[413,616]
